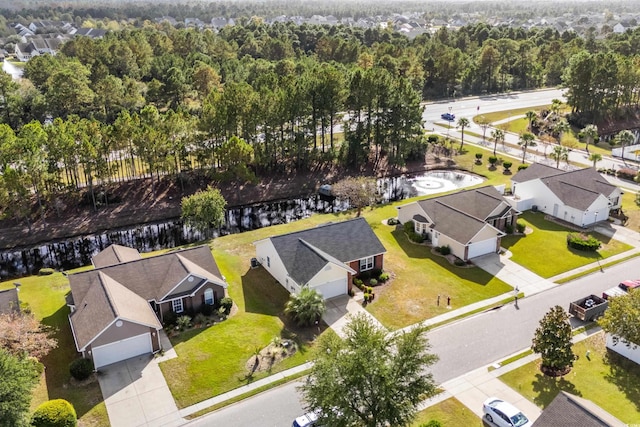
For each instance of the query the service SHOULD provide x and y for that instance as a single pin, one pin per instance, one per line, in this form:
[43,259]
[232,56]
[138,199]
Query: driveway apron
[136,394]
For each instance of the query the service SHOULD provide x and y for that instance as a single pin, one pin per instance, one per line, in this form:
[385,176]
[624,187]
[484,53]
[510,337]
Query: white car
[503,414]
[307,420]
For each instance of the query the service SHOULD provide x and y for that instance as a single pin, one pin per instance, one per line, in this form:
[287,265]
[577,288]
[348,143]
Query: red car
[622,288]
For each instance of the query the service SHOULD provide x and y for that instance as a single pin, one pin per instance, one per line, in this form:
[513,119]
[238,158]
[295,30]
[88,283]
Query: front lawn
[548,241]
[605,378]
[450,413]
[45,296]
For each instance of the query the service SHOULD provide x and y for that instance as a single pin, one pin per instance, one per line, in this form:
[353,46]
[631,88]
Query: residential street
[462,347]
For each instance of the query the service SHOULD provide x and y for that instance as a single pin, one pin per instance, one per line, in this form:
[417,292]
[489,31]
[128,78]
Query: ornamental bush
[408,227]
[507,165]
[55,413]
[81,369]
[583,242]
[226,303]
[383,277]
[445,250]
[415,237]
[520,226]
[523,166]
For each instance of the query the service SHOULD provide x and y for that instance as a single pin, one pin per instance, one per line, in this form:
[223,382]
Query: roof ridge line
[110,298]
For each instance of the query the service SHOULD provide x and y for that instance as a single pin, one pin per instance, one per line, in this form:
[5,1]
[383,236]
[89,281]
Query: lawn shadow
[262,293]
[57,376]
[625,375]
[413,250]
[547,388]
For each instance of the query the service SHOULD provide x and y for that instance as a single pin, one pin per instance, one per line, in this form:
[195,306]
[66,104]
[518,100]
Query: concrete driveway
[137,395]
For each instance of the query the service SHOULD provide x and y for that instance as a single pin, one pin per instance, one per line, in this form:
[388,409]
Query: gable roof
[9,301]
[567,410]
[104,302]
[464,214]
[115,254]
[578,188]
[154,277]
[305,253]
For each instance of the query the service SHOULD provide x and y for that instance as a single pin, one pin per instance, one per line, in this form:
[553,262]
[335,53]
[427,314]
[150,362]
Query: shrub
[408,227]
[364,275]
[432,138]
[81,369]
[507,165]
[493,160]
[367,297]
[583,242]
[508,229]
[392,221]
[445,250]
[376,272]
[478,156]
[383,277]
[415,237]
[55,413]
[226,303]
[206,309]
[373,282]
[432,423]
[369,290]
[359,283]
[520,226]
[170,318]
[183,322]
[46,271]
[522,167]
[459,262]
[200,318]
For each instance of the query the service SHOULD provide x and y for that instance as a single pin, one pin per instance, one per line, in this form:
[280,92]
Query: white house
[470,222]
[324,258]
[581,197]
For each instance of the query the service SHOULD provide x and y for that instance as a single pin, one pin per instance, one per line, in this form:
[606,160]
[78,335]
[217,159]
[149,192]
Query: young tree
[305,307]
[590,134]
[204,209]
[595,158]
[497,135]
[360,191]
[526,140]
[559,153]
[22,335]
[560,128]
[624,138]
[18,376]
[463,122]
[552,341]
[370,378]
[531,116]
[616,320]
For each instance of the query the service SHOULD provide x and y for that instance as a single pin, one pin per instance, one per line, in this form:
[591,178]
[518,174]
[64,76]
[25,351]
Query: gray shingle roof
[578,188]
[115,254]
[343,241]
[463,214]
[567,410]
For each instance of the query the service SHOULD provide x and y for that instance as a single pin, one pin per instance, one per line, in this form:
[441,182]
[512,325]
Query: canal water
[77,251]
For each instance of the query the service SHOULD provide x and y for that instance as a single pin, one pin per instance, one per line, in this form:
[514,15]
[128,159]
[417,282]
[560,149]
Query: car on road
[503,414]
[448,116]
[307,420]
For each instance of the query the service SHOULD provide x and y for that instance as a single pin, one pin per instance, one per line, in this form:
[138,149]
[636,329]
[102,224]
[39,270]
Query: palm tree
[531,116]
[306,307]
[526,140]
[559,153]
[595,158]
[555,105]
[590,133]
[560,128]
[625,138]
[463,122]
[497,135]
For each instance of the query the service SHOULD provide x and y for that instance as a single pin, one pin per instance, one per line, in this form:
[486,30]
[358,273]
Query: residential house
[324,258]
[568,410]
[94,33]
[471,222]
[580,197]
[117,308]
[37,46]
[9,301]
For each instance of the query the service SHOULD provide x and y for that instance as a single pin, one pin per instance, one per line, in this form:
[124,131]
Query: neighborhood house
[470,222]
[325,258]
[581,197]
[117,308]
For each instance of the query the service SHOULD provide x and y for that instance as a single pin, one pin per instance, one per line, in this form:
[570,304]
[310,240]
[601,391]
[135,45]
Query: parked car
[307,420]
[622,288]
[503,414]
[448,116]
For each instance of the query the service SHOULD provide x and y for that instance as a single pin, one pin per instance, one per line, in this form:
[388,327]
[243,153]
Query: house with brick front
[325,258]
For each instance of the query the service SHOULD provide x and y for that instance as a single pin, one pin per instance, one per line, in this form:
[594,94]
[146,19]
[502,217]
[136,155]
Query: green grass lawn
[605,378]
[552,237]
[450,413]
[45,296]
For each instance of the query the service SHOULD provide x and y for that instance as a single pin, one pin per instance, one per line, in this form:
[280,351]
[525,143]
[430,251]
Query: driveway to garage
[137,395]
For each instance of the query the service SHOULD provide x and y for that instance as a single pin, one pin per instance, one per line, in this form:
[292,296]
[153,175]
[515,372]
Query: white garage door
[121,350]
[482,248]
[333,289]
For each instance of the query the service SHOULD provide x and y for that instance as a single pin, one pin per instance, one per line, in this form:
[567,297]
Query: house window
[614,201]
[177,306]
[366,263]
[268,262]
[208,296]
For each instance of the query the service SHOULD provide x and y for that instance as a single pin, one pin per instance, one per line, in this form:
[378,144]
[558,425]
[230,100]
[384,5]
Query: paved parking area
[136,394]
